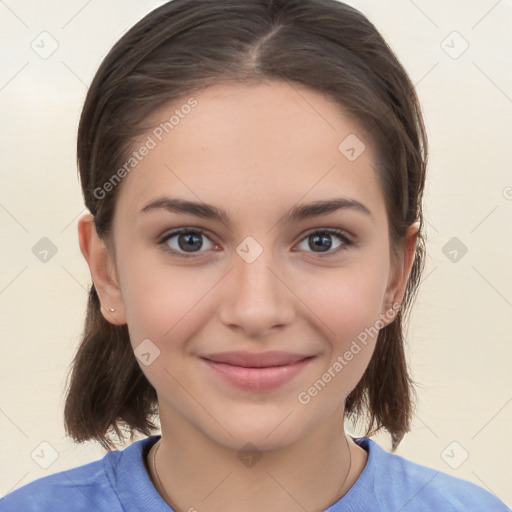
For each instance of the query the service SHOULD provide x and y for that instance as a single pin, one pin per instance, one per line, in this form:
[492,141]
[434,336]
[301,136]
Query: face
[256,279]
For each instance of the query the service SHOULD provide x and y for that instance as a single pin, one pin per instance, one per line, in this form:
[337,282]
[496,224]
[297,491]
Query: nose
[256,298]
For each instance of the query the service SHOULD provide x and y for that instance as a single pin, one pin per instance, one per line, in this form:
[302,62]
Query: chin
[255,441]
[263,432]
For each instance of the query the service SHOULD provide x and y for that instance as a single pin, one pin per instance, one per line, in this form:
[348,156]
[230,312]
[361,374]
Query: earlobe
[102,268]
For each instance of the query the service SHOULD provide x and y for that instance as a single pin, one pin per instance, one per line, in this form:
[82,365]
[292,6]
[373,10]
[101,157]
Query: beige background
[460,346]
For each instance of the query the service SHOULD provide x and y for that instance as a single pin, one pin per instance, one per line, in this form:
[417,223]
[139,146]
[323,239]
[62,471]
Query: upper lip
[255,359]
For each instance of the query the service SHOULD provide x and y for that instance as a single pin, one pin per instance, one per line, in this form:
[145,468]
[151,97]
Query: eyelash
[347,243]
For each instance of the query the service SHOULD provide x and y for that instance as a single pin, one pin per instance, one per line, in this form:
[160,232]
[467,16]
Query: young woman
[254,173]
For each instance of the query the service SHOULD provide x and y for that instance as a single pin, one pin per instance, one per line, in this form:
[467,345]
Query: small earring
[112,309]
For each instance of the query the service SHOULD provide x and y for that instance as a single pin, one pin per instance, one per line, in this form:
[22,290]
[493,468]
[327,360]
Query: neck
[192,472]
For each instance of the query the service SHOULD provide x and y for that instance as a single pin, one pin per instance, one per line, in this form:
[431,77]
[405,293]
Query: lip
[257,371]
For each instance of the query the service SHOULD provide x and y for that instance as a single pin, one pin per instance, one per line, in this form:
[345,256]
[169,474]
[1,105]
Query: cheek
[347,308]
[163,302]
[348,300]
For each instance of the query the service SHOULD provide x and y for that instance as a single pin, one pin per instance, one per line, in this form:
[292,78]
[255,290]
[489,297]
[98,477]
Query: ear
[102,267]
[400,275]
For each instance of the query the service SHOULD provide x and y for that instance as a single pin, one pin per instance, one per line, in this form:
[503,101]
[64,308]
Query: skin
[256,151]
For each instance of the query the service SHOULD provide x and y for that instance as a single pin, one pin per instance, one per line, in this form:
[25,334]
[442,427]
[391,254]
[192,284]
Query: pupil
[319,239]
[190,241]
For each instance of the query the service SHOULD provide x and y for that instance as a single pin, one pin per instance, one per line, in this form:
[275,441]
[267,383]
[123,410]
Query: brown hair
[184,46]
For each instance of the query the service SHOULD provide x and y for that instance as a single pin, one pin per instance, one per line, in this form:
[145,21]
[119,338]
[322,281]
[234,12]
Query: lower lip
[258,379]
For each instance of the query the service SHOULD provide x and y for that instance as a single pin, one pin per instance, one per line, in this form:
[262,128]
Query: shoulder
[400,484]
[75,490]
[92,486]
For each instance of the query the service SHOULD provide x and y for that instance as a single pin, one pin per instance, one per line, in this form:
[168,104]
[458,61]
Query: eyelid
[162,240]
[347,241]
[336,231]
[344,236]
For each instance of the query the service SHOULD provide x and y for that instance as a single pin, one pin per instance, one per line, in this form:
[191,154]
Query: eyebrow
[297,213]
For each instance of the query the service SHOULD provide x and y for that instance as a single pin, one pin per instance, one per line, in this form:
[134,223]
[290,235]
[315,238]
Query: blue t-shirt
[119,482]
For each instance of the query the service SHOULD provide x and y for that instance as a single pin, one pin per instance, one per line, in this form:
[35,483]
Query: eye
[187,242]
[322,240]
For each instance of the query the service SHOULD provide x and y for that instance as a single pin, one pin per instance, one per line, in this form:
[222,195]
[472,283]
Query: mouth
[257,371]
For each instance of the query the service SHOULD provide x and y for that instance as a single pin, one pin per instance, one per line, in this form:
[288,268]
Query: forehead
[245,147]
